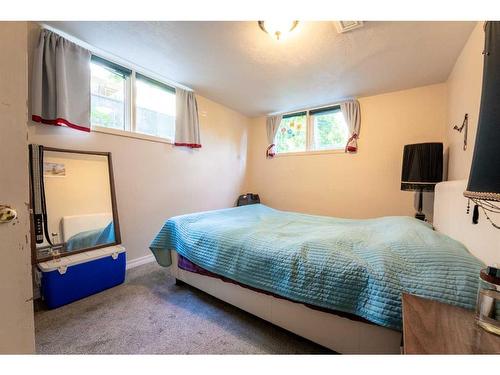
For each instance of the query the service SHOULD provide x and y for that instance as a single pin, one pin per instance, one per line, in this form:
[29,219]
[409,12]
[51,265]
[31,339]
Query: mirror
[79,200]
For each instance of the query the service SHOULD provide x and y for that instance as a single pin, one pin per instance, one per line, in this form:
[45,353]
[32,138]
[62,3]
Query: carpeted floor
[149,314]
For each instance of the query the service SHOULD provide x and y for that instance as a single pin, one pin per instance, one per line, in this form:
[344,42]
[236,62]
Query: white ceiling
[238,65]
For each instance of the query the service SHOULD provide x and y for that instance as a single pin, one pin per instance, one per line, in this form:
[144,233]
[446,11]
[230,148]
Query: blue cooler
[71,278]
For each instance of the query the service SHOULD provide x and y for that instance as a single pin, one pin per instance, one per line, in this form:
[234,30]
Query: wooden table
[431,327]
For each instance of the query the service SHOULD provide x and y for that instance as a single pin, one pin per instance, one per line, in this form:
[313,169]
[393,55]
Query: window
[292,133]
[123,100]
[108,89]
[313,130]
[155,107]
[329,129]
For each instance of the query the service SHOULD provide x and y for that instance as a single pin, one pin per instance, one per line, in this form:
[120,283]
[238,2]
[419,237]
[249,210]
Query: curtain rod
[284,113]
[115,59]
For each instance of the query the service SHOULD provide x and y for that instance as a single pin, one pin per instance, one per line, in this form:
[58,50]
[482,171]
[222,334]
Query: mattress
[360,267]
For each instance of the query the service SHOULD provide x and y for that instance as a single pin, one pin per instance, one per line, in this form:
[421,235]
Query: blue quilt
[91,238]
[355,266]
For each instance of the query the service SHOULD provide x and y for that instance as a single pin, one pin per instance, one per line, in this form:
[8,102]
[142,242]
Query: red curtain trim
[270,151]
[349,147]
[59,122]
[191,145]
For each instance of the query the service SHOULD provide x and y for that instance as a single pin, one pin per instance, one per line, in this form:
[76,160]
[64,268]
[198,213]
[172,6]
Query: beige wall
[464,96]
[362,185]
[16,306]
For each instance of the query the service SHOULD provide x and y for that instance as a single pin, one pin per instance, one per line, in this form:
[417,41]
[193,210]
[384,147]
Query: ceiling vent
[345,26]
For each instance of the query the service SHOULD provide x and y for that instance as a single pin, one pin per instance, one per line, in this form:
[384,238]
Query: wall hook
[465,124]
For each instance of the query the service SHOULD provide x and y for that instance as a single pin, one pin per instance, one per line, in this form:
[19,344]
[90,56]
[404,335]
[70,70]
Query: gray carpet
[149,314]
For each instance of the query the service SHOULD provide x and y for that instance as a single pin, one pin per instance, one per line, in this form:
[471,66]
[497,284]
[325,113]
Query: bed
[91,238]
[85,231]
[337,282]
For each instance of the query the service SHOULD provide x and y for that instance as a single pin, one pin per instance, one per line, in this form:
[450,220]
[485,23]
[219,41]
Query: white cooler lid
[71,260]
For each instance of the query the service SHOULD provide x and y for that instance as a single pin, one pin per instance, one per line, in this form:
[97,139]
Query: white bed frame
[332,331]
[341,334]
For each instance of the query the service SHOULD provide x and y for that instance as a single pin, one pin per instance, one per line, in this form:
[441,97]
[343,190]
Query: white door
[16,292]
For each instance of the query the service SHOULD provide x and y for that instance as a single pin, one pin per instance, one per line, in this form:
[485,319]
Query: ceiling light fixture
[278,29]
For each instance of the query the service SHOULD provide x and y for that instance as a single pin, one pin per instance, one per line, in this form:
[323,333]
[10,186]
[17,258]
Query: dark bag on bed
[248,198]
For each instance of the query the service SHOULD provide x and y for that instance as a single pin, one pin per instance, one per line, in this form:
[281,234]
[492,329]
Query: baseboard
[132,263]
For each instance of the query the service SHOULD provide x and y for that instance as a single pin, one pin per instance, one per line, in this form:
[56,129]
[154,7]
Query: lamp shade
[484,177]
[422,166]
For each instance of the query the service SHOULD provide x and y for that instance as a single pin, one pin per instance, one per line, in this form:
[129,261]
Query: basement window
[154,107]
[292,133]
[329,129]
[318,129]
[128,103]
[109,85]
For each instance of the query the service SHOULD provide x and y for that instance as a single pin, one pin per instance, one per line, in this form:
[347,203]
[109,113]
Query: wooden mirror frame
[116,223]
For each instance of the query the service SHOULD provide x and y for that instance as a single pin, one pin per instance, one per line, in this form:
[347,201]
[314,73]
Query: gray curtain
[187,127]
[60,86]
[352,115]
[272,125]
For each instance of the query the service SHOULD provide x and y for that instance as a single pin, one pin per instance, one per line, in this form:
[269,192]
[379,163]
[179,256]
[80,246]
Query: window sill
[318,152]
[124,133]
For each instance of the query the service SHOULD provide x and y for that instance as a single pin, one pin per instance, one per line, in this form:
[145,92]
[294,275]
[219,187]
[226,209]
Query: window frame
[126,74]
[130,93]
[295,114]
[309,113]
